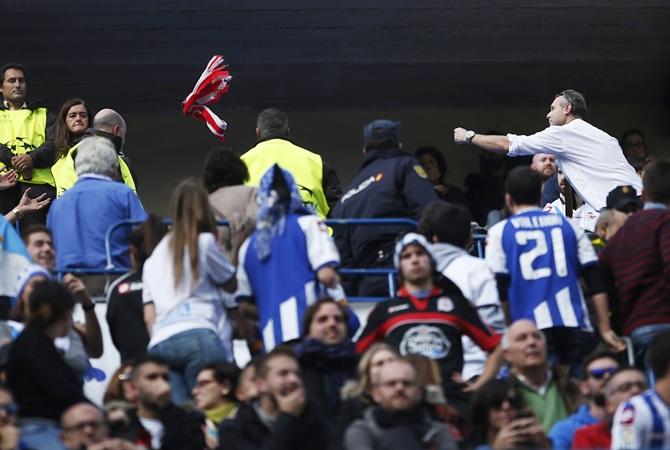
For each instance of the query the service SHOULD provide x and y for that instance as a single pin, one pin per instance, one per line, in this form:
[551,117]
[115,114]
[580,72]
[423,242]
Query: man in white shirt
[644,420]
[591,159]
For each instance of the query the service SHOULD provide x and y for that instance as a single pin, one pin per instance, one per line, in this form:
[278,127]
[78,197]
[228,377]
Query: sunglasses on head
[599,374]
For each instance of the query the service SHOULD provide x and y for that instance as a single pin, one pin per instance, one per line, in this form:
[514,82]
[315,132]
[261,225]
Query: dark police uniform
[389,184]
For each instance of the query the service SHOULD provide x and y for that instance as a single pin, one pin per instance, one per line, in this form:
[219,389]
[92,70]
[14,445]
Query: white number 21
[527,259]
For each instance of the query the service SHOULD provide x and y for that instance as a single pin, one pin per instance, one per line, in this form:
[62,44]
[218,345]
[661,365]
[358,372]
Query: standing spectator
[620,387]
[448,228]
[637,262]
[181,291]
[544,164]
[397,421]
[125,315]
[80,219]
[644,420]
[25,130]
[288,262]
[597,368]
[590,158]
[44,385]
[633,143]
[550,395]
[435,167]
[158,423]
[429,316]
[282,418]
[390,183]
[318,183]
[107,124]
[327,357]
[624,199]
[501,419]
[609,223]
[224,177]
[538,258]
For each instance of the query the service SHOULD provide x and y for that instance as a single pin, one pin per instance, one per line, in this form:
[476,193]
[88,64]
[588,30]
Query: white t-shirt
[591,159]
[584,217]
[191,304]
[156,429]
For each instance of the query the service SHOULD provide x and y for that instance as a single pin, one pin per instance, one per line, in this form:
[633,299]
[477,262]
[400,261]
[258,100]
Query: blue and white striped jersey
[543,254]
[643,422]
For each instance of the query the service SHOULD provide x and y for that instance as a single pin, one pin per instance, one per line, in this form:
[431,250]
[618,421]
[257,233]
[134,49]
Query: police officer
[389,184]
[23,131]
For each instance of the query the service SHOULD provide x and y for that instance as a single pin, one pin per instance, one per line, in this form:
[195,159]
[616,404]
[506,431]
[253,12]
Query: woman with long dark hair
[183,304]
[73,120]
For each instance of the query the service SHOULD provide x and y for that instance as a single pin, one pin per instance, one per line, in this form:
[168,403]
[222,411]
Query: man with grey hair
[107,124]
[81,217]
[318,183]
[550,396]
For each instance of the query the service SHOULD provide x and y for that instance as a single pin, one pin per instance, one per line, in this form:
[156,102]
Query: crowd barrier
[389,273]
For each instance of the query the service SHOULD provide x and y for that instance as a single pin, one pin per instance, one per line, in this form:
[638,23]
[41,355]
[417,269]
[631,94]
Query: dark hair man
[318,182]
[397,421]
[447,226]
[428,317]
[637,261]
[40,246]
[590,158]
[157,423]
[644,420]
[24,130]
[596,370]
[538,259]
[282,415]
[390,183]
[633,143]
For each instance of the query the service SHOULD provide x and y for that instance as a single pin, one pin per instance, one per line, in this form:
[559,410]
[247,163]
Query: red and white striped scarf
[212,84]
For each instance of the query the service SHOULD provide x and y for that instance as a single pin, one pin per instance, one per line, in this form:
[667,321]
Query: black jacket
[247,432]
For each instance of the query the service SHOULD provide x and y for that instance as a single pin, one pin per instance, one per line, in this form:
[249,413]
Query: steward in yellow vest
[64,171]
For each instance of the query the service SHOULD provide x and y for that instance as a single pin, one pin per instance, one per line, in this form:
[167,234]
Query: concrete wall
[167,148]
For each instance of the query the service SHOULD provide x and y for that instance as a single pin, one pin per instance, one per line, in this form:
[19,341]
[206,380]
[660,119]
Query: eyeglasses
[625,387]
[202,383]
[599,374]
[9,408]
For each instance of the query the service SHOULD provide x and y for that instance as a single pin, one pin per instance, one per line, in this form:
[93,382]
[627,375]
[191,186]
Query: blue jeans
[40,433]
[188,353]
[642,338]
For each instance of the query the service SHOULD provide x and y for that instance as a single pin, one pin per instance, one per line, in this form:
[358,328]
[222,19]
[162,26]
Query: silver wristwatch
[469,135]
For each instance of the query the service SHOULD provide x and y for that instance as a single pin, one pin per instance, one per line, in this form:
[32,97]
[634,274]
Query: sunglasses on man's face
[599,374]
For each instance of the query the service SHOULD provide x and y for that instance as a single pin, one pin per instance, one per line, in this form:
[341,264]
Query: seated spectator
[397,421]
[549,395]
[40,246]
[12,265]
[79,220]
[282,417]
[125,315]
[44,385]
[389,183]
[109,125]
[287,262]
[429,316]
[327,356]
[224,177]
[214,392]
[246,386]
[435,166]
[620,387]
[636,262]
[447,227]
[642,421]
[119,391]
[357,395]
[596,370]
[158,423]
[501,419]
[633,143]
[182,282]
[27,204]
[624,199]
[84,427]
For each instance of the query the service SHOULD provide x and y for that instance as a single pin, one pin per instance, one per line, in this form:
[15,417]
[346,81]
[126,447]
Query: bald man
[110,125]
[84,427]
[525,349]
[544,164]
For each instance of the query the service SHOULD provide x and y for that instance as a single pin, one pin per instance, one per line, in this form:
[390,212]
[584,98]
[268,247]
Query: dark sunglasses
[599,374]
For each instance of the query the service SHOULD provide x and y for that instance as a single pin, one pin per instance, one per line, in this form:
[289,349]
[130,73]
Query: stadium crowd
[557,337]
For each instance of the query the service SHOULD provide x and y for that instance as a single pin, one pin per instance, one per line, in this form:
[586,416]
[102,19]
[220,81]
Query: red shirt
[593,437]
